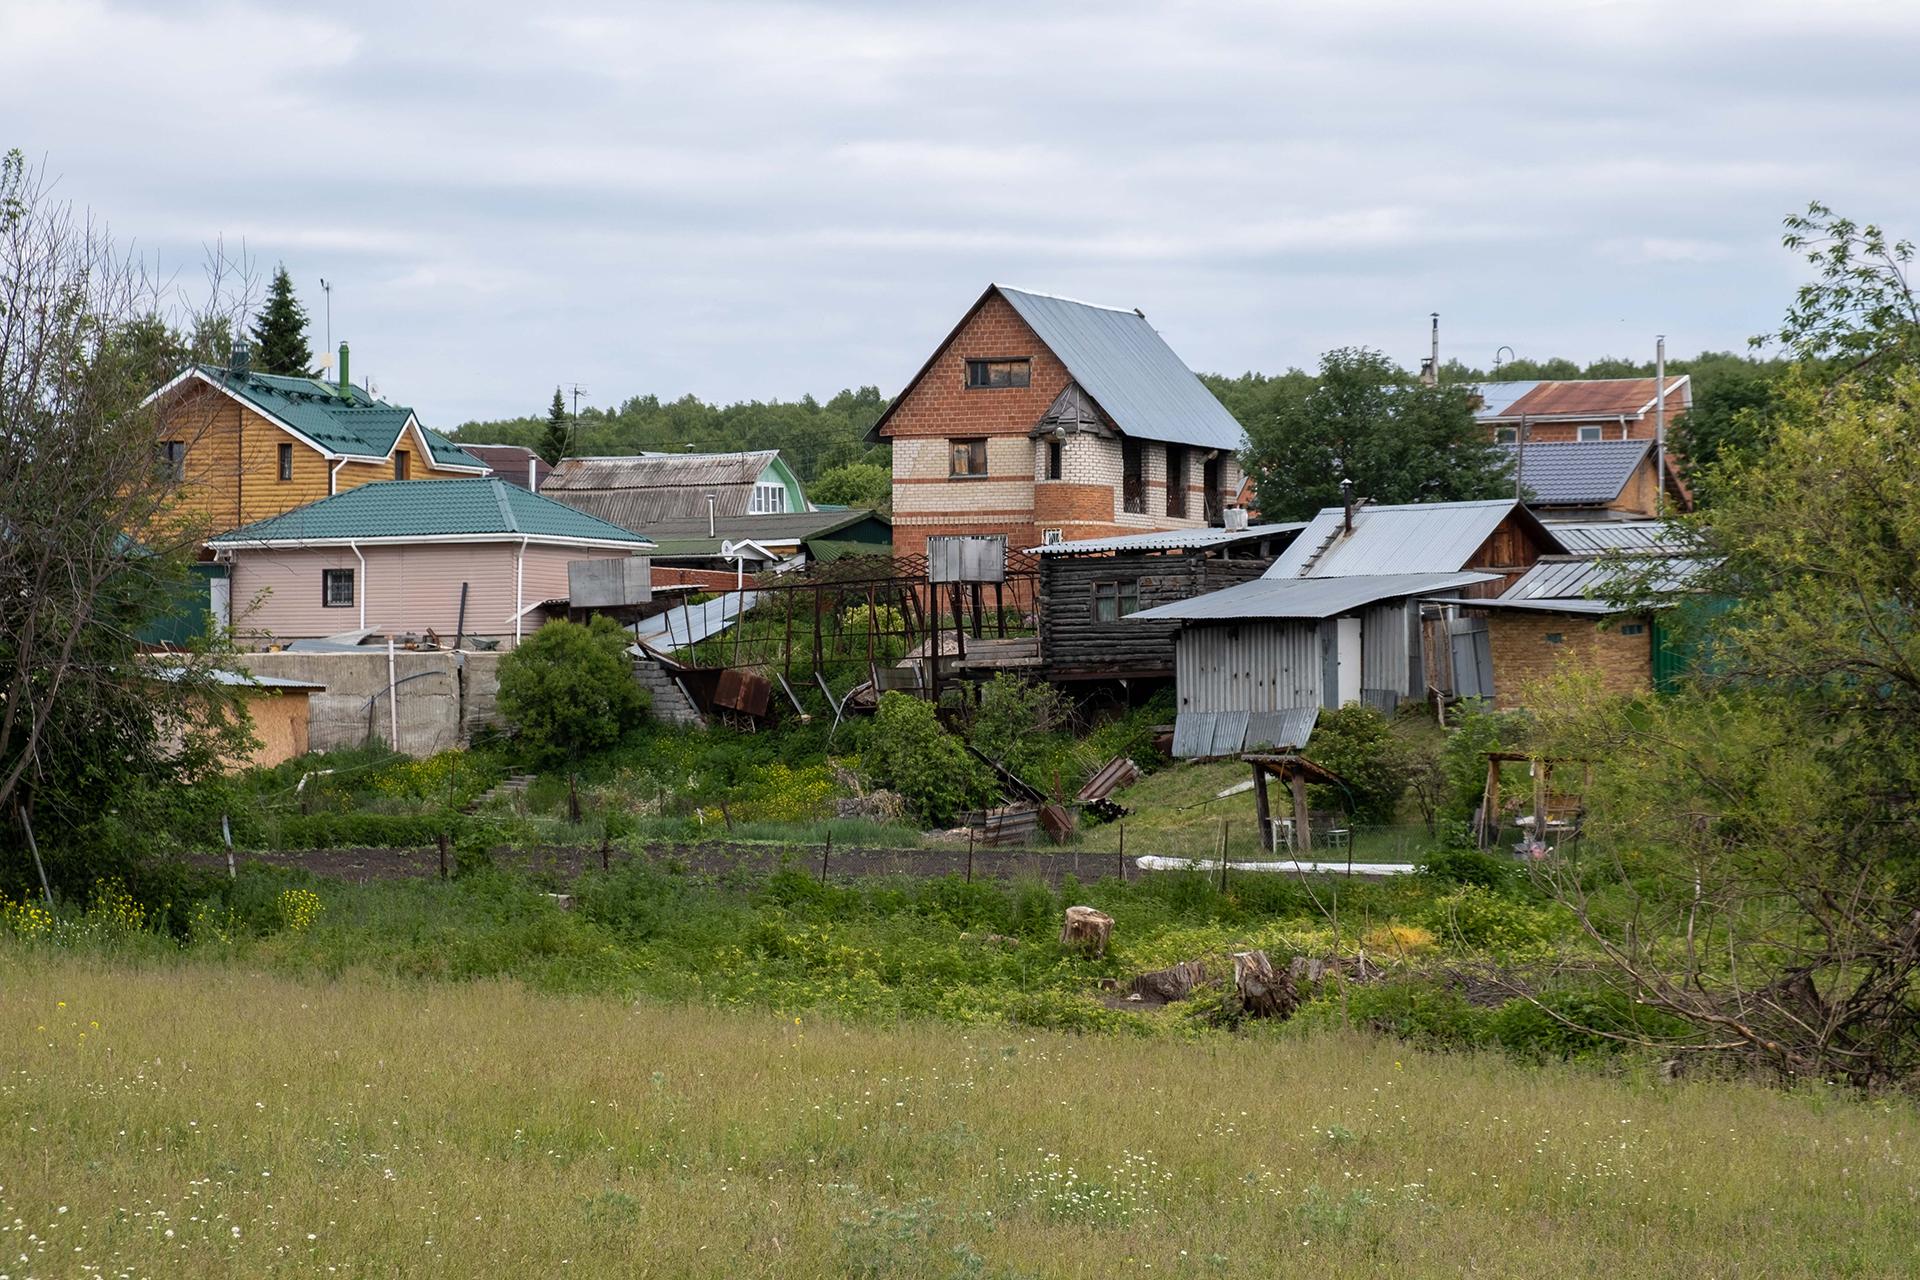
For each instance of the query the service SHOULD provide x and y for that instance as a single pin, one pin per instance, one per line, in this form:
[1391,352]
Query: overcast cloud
[750,200]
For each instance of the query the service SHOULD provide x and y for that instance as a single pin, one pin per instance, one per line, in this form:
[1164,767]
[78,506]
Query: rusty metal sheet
[1116,773]
[744,691]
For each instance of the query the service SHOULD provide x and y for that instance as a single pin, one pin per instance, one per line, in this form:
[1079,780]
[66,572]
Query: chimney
[1346,496]
[240,356]
[345,383]
[1430,371]
[1236,519]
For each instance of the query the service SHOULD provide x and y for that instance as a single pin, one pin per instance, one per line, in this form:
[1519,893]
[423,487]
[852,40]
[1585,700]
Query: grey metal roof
[1496,396]
[1584,577]
[689,624]
[687,538]
[1420,537]
[1579,473]
[1167,540]
[1130,371]
[1208,734]
[641,490]
[1306,598]
[1595,536]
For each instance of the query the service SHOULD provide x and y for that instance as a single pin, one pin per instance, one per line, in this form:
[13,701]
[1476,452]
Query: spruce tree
[280,333]
[553,445]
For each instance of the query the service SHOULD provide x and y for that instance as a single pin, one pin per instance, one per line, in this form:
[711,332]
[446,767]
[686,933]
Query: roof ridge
[506,509]
[1078,302]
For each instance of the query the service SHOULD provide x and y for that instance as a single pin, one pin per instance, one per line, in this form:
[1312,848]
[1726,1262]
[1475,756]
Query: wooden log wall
[1074,646]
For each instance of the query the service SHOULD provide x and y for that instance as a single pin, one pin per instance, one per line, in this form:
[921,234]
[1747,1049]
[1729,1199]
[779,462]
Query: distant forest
[816,436]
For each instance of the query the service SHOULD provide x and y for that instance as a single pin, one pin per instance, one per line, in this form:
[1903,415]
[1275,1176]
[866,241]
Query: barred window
[336,588]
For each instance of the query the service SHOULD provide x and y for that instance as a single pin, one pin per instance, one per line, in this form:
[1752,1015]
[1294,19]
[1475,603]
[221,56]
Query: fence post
[443,855]
[1223,855]
[970,854]
[826,852]
[1123,853]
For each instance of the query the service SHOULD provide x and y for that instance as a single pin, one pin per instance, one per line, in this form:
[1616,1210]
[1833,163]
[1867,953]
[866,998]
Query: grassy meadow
[202,1119]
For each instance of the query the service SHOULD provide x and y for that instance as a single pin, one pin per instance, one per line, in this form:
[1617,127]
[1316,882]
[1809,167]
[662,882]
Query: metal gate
[1472,657]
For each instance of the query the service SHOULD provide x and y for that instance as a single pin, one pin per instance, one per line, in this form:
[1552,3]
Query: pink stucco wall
[276,593]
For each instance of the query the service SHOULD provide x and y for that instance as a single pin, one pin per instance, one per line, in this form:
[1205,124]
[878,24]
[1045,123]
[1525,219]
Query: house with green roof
[247,446]
[467,558]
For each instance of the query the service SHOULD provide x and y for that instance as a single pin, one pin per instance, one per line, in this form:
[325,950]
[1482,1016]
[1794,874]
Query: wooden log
[1164,986]
[1263,993]
[1086,930]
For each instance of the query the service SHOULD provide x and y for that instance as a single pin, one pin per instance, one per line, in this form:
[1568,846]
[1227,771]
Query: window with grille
[286,462]
[767,500]
[336,588]
[1055,459]
[1113,601]
[1133,482]
[969,457]
[999,373]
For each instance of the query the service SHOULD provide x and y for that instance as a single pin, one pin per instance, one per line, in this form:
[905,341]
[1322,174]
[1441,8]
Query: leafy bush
[907,750]
[1470,866]
[1476,731]
[360,830]
[569,689]
[1488,921]
[1592,1020]
[1356,742]
[1013,720]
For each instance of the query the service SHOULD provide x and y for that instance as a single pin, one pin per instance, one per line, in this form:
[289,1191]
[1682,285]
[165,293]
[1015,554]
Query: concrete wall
[442,697]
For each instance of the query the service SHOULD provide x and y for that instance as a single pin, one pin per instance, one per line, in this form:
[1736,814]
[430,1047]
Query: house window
[1506,435]
[1215,498]
[969,457]
[1176,481]
[767,500]
[999,373]
[1633,629]
[286,462]
[1133,483]
[1590,433]
[400,461]
[1113,601]
[172,456]
[336,588]
[1555,637]
[1056,459]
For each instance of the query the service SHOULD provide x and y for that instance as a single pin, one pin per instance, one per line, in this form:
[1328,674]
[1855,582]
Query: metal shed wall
[1250,666]
[1390,657]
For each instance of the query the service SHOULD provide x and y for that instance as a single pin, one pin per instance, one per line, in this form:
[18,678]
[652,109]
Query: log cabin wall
[1075,644]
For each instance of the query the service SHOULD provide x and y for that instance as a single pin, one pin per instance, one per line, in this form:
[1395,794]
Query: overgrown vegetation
[568,690]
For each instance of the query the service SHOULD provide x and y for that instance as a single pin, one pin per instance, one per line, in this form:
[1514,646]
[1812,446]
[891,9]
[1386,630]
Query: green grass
[214,1120]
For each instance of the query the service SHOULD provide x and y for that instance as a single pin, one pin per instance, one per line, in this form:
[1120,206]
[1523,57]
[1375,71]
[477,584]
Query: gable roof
[1416,537]
[1306,598]
[687,538]
[1120,361]
[1494,397]
[341,422]
[479,510]
[514,463]
[644,489]
[1579,473]
[1595,398]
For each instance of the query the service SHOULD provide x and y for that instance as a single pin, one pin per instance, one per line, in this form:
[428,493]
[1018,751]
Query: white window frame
[1598,433]
[767,500]
[1506,435]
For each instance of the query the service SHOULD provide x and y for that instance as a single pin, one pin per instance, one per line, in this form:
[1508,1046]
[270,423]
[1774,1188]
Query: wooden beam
[1490,804]
[1302,835]
[1260,808]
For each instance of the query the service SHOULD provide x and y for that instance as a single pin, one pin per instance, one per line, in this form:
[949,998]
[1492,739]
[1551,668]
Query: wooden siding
[1075,646]
[1510,550]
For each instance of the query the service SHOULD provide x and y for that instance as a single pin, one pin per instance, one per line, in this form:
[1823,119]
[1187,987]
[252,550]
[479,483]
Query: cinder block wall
[443,698]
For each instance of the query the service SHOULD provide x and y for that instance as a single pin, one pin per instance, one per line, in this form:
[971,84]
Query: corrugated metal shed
[1579,473]
[1168,540]
[1307,598]
[644,489]
[1419,537]
[422,509]
[1257,667]
[1128,368]
[1592,538]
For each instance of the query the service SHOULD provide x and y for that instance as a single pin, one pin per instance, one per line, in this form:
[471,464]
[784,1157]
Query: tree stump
[1086,930]
[1263,993]
[1167,985]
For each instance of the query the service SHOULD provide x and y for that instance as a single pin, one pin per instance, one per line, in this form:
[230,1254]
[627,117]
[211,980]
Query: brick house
[1043,419]
[1588,411]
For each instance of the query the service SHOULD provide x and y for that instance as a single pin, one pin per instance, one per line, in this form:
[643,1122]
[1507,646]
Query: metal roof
[1595,536]
[1208,734]
[1496,396]
[688,537]
[342,420]
[1579,473]
[1167,540]
[641,490]
[1585,577]
[1306,598]
[1419,537]
[1596,398]
[513,463]
[428,509]
[1130,371]
[689,624]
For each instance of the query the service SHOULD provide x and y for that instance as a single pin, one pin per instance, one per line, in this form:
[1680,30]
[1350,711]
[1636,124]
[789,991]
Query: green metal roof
[426,509]
[340,420]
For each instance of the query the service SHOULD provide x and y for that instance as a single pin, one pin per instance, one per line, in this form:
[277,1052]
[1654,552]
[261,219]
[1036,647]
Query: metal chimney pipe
[710,509]
[344,382]
[1660,425]
[1346,497]
[1435,358]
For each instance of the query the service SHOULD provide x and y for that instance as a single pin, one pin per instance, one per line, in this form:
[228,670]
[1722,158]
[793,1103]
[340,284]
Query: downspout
[519,581]
[333,477]
[361,590]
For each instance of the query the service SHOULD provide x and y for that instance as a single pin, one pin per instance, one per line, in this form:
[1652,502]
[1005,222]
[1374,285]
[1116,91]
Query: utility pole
[1520,458]
[326,287]
[573,432]
[1660,425]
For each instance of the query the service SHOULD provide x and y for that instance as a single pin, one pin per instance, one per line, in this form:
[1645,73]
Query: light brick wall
[1523,655]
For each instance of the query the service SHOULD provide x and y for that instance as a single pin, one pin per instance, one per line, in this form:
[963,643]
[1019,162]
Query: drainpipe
[360,588]
[333,477]
[519,581]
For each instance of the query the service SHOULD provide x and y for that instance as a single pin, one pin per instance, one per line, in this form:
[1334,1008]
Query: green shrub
[1013,720]
[568,690]
[907,750]
[1470,866]
[361,830]
[1488,921]
[1356,742]
[1476,731]
[1415,1010]
[1586,1024]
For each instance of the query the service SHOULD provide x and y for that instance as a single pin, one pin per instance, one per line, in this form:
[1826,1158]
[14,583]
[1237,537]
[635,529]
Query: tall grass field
[183,1118]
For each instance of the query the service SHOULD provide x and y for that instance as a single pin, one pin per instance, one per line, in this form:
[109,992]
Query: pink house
[473,558]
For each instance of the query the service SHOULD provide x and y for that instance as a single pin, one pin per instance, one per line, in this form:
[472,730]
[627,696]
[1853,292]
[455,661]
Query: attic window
[767,500]
[401,461]
[286,462]
[999,373]
[1591,433]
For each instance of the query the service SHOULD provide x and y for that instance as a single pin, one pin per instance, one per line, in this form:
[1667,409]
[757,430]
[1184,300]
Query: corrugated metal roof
[429,509]
[1128,368]
[688,537]
[1597,398]
[1585,577]
[1201,735]
[512,463]
[341,420]
[1496,396]
[1593,537]
[641,490]
[1167,540]
[1420,537]
[1579,473]
[1306,598]
[689,624]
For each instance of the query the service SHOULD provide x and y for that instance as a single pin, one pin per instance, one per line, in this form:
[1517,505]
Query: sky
[760,199]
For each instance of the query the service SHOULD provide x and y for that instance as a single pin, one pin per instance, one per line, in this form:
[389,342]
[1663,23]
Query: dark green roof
[340,420]
[423,509]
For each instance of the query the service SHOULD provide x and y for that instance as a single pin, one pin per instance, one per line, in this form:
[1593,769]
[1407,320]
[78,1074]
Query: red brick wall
[1523,656]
